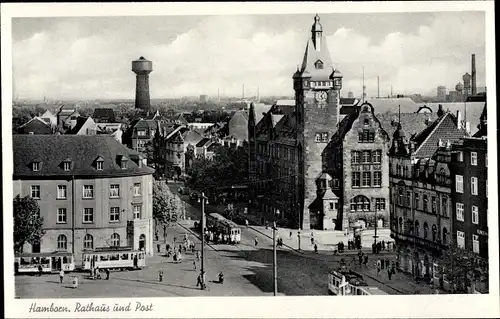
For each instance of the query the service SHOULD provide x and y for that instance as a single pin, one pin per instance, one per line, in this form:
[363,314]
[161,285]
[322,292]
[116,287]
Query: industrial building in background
[142,68]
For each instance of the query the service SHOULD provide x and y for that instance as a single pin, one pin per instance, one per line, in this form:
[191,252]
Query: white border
[437,306]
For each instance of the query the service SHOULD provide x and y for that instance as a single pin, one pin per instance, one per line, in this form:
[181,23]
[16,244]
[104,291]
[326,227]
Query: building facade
[421,185]
[92,191]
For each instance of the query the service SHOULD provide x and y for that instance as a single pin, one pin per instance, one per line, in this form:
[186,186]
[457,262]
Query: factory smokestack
[142,68]
[474,87]
[378,87]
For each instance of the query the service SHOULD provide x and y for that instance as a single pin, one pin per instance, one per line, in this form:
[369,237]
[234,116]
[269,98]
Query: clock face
[321,96]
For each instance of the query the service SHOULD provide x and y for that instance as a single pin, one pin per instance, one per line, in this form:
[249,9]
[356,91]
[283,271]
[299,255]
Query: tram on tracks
[223,225]
[26,263]
[349,283]
[121,258]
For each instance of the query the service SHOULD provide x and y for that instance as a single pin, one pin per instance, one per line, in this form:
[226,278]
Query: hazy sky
[88,58]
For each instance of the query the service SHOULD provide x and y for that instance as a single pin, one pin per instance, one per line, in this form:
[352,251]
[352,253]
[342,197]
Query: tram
[225,226]
[350,283]
[114,259]
[25,263]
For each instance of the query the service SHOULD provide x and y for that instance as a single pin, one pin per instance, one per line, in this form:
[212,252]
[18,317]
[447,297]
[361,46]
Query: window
[124,163]
[434,233]
[377,178]
[88,191]
[459,184]
[61,191]
[137,211]
[473,158]
[473,185]
[426,230]
[366,156]
[318,64]
[475,215]
[35,191]
[377,156]
[114,190]
[67,166]
[141,133]
[460,239]
[417,201]
[331,206]
[88,215]
[115,240]
[417,228]
[460,212]
[356,179]
[35,166]
[360,203]
[433,203]
[366,179]
[355,157]
[62,242]
[114,214]
[426,203]
[460,156]
[61,216]
[137,189]
[380,204]
[317,138]
[88,242]
[444,202]
[475,243]
[99,165]
[324,137]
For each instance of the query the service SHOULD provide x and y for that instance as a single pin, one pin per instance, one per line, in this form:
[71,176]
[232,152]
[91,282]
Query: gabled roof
[311,56]
[52,150]
[412,123]
[80,122]
[444,128]
[36,118]
[203,142]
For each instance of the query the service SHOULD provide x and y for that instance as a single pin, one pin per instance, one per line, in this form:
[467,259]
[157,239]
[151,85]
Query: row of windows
[474,212]
[88,214]
[403,200]
[321,137]
[459,185]
[362,203]
[461,241]
[367,179]
[88,191]
[366,136]
[473,158]
[99,165]
[88,241]
[414,229]
[358,157]
[277,150]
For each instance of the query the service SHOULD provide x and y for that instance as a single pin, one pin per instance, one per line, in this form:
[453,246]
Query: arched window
[444,202]
[62,242]
[434,232]
[417,228]
[445,236]
[409,226]
[426,230]
[115,240]
[360,203]
[88,242]
[401,224]
[142,242]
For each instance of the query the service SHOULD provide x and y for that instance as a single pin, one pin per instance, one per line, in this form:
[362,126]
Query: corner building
[92,191]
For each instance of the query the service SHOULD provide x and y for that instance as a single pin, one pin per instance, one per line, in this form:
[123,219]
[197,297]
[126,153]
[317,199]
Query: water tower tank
[466,78]
[459,87]
[142,66]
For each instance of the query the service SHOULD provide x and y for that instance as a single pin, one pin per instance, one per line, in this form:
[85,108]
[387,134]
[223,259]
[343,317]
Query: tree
[166,205]
[460,267]
[28,224]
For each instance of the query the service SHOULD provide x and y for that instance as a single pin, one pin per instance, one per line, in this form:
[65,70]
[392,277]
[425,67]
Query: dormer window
[123,162]
[99,164]
[35,166]
[66,166]
[318,64]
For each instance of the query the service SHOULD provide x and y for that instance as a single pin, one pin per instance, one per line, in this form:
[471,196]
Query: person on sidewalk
[315,248]
[160,275]
[256,242]
[246,222]
[194,264]
[290,234]
[389,272]
[107,273]
[378,266]
[61,276]
[158,246]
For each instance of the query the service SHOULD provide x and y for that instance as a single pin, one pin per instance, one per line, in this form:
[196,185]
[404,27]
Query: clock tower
[317,92]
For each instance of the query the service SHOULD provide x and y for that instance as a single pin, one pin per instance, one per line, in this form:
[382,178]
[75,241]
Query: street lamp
[376,222]
[298,237]
[275,261]
[203,201]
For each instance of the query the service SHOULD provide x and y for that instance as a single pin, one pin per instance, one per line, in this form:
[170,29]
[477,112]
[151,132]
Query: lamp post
[202,199]
[275,261]
[298,237]
[376,222]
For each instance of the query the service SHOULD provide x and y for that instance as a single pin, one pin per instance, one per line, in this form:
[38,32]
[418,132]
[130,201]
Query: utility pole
[275,261]
[203,241]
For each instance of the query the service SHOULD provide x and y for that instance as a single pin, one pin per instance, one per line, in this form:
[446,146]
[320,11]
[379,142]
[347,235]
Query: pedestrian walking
[290,234]
[75,282]
[378,267]
[389,272]
[107,273]
[197,255]
[312,240]
[40,270]
[256,241]
[315,248]
[61,276]
[194,264]
[160,275]
[158,246]
[365,259]
[246,222]
[175,239]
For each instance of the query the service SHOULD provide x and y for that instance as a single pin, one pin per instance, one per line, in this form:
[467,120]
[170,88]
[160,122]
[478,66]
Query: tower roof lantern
[317,27]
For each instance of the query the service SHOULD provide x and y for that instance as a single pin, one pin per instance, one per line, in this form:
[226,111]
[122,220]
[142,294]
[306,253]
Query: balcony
[425,243]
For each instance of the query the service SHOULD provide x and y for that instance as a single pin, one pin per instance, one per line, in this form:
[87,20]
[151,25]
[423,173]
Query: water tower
[467,79]
[142,68]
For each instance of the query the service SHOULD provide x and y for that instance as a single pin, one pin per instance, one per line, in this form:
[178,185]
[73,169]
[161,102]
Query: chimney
[459,120]
[474,88]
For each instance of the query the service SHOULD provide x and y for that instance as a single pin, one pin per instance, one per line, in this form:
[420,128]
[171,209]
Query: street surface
[247,270]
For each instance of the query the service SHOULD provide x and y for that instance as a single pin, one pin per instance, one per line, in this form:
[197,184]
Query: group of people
[212,235]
